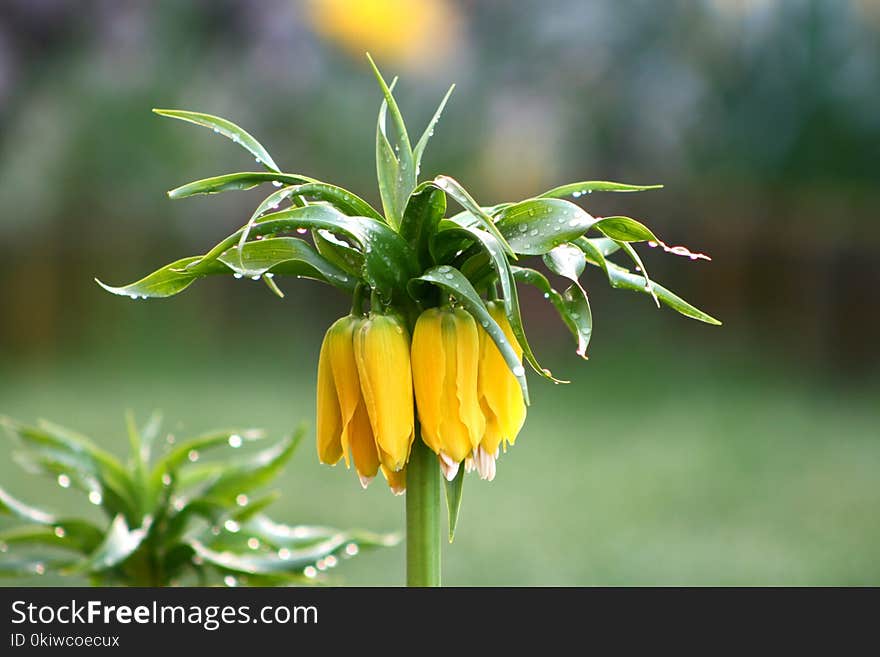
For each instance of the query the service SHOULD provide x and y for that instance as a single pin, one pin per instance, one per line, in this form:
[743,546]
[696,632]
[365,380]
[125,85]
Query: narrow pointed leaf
[624,229]
[453,282]
[537,226]
[423,214]
[338,252]
[168,280]
[11,505]
[453,501]
[621,278]
[419,149]
[387,168]
[281,535]
[236,181]
[568,261]
[286,256]
[75,535]
[388,262]
[578,189]
[454,189]
[119,544]
[232,438]
[574,314]
[226,128]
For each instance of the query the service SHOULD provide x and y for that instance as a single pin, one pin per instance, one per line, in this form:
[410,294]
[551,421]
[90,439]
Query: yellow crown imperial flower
[501,398]
[344,424]
[382,353]
[445,359]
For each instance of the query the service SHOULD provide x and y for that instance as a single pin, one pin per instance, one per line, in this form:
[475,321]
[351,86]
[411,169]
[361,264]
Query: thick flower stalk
[448,279]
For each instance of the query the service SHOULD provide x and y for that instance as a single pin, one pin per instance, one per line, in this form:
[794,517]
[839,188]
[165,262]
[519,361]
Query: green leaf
[580,188]
[168,280]
[499,263]
[640,266]
[568,261]
[423,214]
[119,544]
[419,150]
[286,256]
[453,500]
[256,471]
[53,446]
[387,168]
[405,180]
[454,189]
[28,567]
[9,504]
[573,313]
[338,252]
[624,229]
[621,278]
[236,181]
[454,282]
[227,129]
[282,535]
[536,226]
[388,261]
[75,535]
[233,438]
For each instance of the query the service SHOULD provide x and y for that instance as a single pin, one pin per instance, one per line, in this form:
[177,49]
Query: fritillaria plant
[424,378]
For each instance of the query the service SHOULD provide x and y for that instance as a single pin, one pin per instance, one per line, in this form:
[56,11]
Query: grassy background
[660,464]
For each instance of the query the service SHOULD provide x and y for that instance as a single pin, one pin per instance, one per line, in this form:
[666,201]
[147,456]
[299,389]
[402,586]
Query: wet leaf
[453,501]
[578,189]
[536,226]
[624,229]
[226,128]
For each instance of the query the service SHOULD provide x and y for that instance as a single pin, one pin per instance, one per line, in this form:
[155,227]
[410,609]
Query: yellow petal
[500,395]
[467,368]
[428,365]
[329,419]
[363,445]
[396,480]
[455,433]
[382,351]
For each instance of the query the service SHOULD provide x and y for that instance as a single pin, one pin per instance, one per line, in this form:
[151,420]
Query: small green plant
[171,515]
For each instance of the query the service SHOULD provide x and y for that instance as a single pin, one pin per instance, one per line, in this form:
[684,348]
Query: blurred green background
[680,454]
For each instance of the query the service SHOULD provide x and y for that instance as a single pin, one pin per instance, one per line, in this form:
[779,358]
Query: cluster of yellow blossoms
[469,403]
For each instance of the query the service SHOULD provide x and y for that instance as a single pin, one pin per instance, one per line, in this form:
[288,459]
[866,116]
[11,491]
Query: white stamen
[448,467]
[485,463]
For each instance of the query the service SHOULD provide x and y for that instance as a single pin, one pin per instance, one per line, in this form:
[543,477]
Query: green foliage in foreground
[172,517]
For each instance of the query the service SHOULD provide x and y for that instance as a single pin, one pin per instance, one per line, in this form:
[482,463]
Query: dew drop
[231,526]
[310,571]
[255,278]
[241,500]
[39,569]
[575,315]
[448,276]
[59,532]
[276,183]
[193,456]
[284,553]
[519,370]
[351,549]
[253,543]
[229,580]
[95,497]
[235,440]
[546,295]
[64,481]
[534,232]
[236,275]
[331,561]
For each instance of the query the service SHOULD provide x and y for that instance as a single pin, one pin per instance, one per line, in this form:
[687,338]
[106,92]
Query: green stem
[422,516]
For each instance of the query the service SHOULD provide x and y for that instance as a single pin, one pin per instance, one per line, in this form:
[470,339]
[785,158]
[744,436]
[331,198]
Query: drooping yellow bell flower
[343,425]
[382,353]
[445,358]
[501,398]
